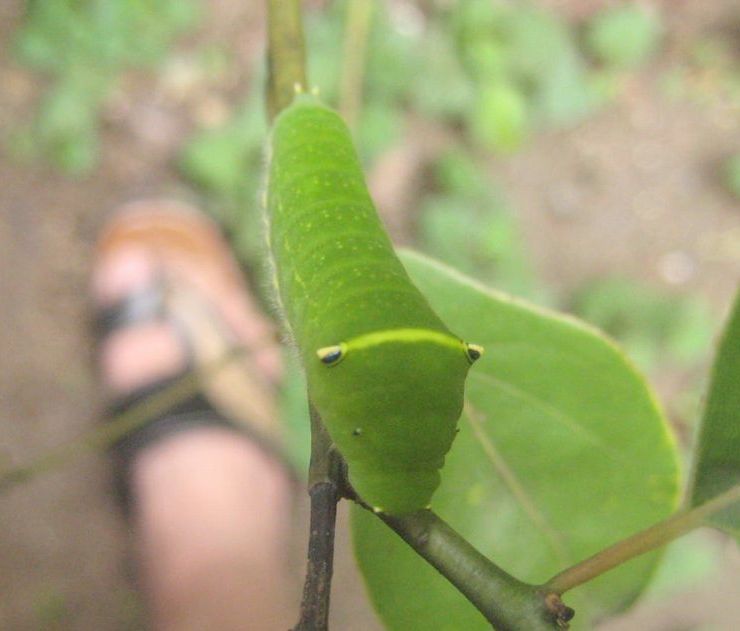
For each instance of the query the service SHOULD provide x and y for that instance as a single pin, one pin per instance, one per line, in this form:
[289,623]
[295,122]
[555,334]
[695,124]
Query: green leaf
[457,173]
[653,326]
[537,43]
[717,455]
[477,236]
[225,163]
[441,67]
[380,126]
[562,452]
[624,36]
[687,562]
[499,120]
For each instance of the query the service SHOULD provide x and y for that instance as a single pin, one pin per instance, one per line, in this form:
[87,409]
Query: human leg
[209,506]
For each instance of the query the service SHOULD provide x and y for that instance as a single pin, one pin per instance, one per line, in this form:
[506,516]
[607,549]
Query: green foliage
[392,63]
[526,69]
[624,36]
[442,67]
[380,127]
[655,328]
[732,175]
[467,224]
[499,69]
[225,163]
[84,47]
[294,413]
[717,454]
[561,452]
[687,562]
[500,119]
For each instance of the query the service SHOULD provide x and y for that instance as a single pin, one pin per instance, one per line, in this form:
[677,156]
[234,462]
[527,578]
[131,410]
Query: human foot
[172,295]
[212,505]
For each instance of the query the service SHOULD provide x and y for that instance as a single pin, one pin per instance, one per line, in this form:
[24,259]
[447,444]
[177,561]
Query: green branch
[644,541]
[286,57]
[507,603]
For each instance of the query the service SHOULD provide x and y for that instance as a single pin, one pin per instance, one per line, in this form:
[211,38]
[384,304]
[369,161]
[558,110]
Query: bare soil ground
[633,191]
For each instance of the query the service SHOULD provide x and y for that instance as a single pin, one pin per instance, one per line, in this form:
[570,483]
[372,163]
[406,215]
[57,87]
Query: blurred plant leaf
[294,413]
[568,93]
[561,452]
[537,42]
[66,125]
[717,452]
[468,225]
[324,37]
[653,326]
[458,174]
[624,36]
[441,88]
[732,175]
[84,47]
[686,563]
[543,57]
[225,163]
[219,158]
[380,127]
[499,120]
[393,59]
[532,52]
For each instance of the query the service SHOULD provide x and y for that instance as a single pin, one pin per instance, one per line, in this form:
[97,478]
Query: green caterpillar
[384,372]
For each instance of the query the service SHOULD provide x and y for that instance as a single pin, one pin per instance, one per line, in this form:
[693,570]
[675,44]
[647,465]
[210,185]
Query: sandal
[196,290]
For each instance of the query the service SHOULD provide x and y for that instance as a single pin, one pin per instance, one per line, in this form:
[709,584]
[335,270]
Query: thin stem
[117,427]
[286,72]
[286,58]
[644,541]
[325,488]
[507,603]
[356,32]
[320,567]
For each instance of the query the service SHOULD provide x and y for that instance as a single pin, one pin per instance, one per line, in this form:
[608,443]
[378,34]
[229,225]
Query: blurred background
[584,155]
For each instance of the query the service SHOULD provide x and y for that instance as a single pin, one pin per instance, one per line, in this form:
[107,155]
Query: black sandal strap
[192,412]
[147,304]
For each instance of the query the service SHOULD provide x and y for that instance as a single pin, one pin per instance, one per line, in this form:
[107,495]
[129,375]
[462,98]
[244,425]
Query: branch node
[560,613]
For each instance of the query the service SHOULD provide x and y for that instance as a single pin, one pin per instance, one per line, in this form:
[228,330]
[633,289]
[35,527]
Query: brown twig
[326,476]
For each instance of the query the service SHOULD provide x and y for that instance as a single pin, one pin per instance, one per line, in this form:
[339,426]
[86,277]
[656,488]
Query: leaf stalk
[644,541]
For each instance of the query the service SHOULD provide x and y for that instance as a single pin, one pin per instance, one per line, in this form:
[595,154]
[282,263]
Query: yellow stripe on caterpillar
[332,355]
